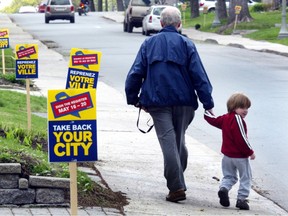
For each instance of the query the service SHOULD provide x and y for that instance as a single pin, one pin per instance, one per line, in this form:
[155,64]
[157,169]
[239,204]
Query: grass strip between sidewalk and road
[264,27]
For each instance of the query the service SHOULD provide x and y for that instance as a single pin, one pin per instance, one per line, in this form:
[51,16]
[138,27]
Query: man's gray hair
[170,16]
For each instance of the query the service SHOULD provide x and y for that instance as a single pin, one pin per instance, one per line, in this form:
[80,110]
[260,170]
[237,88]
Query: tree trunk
[92,5]
[194,8]
[106,5]
[100,5]
[221,9]
[126,3]
[243,16]
[120,5]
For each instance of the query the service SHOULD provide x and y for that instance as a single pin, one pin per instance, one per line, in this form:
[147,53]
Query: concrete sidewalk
[131,162]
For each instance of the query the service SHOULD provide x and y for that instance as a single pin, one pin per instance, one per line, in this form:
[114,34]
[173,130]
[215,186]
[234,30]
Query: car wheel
[72,20]
[147,33]
[143,32]
[46,20]
[124,26]
[211,10]
[130,27]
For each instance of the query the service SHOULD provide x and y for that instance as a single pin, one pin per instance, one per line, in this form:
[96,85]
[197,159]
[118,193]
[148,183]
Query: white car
[151,22]
[27,9]
[210,4]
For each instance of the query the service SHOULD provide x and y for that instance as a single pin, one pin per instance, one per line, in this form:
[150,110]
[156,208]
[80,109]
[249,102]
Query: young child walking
[236,149]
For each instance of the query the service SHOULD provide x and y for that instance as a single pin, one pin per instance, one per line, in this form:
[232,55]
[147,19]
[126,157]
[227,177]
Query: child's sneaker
[224,198]
[242,204]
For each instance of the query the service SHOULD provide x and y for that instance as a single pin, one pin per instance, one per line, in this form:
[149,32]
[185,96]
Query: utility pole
[283,31]
[216,21]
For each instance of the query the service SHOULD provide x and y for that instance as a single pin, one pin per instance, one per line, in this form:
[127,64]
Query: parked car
[151,22]
[27,9]
[42,7]
[211,4]
[134,14]
[59,9]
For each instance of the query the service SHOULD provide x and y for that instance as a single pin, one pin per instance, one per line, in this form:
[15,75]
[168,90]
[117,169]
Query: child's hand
[252,157]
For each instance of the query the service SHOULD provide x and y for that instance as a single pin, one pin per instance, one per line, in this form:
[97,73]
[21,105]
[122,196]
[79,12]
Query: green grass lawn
[13,111]
[263,22]
[9,59]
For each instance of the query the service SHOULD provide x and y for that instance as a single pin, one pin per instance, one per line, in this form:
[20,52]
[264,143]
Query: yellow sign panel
[84,66]
[4,33]
[71,104]
[85,59]
[26,61]
[237,9]
[72,125]
[205,10]
[26,51]
[183,6]
[4,38]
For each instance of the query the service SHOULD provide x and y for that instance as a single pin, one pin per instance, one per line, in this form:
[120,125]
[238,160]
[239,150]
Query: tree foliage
[16,4]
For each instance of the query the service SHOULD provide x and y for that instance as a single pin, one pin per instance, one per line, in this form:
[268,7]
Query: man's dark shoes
[242,204]
[176,196]
[224,198]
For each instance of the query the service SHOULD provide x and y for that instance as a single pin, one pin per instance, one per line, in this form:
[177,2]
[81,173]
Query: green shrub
[11,77]
[260,7]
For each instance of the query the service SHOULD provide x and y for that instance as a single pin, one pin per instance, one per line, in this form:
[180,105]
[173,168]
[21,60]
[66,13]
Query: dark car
[60,9]
[42,7]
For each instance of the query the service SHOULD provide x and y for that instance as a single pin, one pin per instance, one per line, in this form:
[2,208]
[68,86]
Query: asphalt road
[262,76]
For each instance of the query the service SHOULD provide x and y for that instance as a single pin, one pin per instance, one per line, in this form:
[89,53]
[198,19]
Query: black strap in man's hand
[147,123]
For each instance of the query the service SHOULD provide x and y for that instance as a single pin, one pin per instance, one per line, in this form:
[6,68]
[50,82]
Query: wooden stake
[3,61]
[236,20]
[73,188]
[28,104]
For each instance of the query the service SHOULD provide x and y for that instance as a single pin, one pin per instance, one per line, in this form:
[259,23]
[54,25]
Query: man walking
[166,80]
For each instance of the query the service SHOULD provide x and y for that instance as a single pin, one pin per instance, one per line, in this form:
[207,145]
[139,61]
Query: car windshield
[141,2]
[157,11]
[60,2]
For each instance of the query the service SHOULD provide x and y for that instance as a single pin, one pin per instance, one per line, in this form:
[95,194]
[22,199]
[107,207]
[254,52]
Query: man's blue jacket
[168,71]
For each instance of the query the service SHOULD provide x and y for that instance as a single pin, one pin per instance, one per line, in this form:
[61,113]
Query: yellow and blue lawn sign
[4,38]
[26,61]
[84,66]
[72,125]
